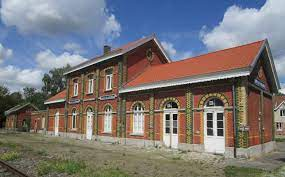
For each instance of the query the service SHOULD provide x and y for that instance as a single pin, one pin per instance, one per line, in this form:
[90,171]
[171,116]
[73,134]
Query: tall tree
[54,81]
[35,97]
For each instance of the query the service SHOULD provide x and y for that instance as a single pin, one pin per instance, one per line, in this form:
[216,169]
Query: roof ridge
[195,57]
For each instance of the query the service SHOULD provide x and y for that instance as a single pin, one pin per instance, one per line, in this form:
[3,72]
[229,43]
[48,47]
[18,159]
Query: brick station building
[220,102]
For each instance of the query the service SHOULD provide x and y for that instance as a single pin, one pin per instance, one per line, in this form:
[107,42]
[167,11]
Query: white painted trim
[104,58]
[55,101]
[189,80]
[279,105]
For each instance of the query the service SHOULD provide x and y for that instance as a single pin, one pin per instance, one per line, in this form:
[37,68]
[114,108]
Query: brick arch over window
[89,107]
[168,99]
[137,102]
[106,105]
[209,96]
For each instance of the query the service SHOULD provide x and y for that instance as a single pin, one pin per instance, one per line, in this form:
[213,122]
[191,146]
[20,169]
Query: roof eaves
[189,80]
[54,101]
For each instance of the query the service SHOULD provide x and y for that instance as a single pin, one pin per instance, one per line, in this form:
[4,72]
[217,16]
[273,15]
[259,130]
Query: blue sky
[37,35]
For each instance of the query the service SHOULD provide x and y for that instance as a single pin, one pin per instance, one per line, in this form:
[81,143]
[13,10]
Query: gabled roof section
[120,51]
[228,63]
[19,107]
[278,101]
[58,98]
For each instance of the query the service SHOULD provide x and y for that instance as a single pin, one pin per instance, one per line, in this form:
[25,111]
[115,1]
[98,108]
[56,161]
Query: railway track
[7,170]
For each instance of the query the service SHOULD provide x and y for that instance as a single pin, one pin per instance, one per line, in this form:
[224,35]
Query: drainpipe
[234,119]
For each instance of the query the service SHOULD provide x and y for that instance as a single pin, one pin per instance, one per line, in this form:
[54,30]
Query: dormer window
[75,87]
[90,84]
[282,112]
[108,79]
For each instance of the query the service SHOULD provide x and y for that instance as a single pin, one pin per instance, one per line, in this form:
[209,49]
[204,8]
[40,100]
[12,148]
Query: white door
[214,132]
[89,127]
[170,129]
[56,124]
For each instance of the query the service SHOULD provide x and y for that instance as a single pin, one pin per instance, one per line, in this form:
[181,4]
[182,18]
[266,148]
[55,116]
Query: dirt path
[133,161]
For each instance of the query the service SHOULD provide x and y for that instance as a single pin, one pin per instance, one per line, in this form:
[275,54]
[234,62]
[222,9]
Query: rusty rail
[12,169]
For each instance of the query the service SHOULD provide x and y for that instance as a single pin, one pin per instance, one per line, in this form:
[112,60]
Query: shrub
[10,156]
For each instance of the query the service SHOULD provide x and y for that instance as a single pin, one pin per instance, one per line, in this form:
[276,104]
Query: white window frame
[282,112]
[108,80]
[278,126]
[138,120]
[108,120]
[90,85]
[73,119]
[75,88]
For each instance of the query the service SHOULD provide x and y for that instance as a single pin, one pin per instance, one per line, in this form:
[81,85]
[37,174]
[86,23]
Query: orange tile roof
[59,96]
[219,61]
[277,100]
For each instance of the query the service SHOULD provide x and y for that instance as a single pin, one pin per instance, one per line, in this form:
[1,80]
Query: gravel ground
[133,161]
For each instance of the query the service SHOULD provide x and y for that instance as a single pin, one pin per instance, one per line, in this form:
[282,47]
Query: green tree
[54,81]
[35,97]
[8,101]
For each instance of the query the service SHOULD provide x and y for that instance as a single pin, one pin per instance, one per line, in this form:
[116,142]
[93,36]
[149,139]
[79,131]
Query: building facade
[219,102]
[19,117]
[279,114]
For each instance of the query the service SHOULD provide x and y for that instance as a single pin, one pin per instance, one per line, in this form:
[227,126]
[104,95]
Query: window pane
[209,131]
[220,116]
[220,132]
[209,124]
[167,130]
[174,117]
[167,123]
[174,130]
[209,116]
[220,124]
[175,124]
[167,117]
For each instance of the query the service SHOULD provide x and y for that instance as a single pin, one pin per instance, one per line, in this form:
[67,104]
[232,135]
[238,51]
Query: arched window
[214,102]
[108,119]
[89,110]
[75,87]
[171,105]
[138,119]
[73,121]
[90,84]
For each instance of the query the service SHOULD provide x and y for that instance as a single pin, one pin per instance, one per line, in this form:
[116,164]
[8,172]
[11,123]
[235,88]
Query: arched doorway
[89,124]
[170,124]
[214,126]
[56,124]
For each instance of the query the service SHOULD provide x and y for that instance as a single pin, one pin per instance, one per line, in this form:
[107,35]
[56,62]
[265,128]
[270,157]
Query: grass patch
[232,171]
[109,172]
[10,156]
[60,166]
[280,139]
[42,152]
[176,158]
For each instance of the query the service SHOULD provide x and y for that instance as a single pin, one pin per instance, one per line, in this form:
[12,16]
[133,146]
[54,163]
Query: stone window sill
[137,134]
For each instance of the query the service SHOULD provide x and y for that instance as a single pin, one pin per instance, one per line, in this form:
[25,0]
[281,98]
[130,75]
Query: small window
[282,112]
[73,121]
[90,84]
[171,105]
[75,88]
[214,102]
[278,126]
[108,119]
[108,79]
[138,119]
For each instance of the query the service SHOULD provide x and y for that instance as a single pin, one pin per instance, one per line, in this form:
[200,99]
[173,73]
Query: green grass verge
[109,172]
[60,166]
[232,171]
[280,139]
[9,156]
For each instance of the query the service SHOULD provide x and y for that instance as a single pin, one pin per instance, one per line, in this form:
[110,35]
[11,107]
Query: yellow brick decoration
[206,97]
[189,117]
[168,99]
[151,117]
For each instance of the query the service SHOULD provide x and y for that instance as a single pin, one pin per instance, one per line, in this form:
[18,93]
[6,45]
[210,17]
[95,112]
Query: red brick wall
[267,120]
[53,109]
[138,62]
[253,115]
[36,120]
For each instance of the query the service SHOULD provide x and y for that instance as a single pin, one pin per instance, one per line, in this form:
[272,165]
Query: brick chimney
[107,49]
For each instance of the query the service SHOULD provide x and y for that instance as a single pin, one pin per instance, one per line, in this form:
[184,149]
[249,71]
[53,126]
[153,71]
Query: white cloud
[73,47]
[90,17]
[169,47]
[243,25]
[16,78]
[48,60]
[5,53]
[282,90]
